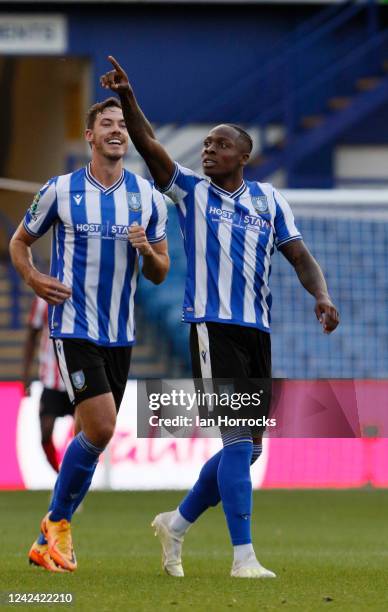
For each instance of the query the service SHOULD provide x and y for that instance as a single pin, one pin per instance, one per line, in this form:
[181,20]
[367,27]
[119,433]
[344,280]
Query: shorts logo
[78,379]
[134,201]
[260,204]
[203,354]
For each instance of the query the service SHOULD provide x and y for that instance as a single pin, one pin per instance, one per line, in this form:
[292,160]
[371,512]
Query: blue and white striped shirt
[229,239]
[91,252]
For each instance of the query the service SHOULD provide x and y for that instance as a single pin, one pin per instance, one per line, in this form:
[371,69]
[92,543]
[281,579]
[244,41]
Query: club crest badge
[260,204]
[134,201]
[78,379]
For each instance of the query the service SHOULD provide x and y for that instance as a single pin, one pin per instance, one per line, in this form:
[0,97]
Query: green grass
[329,549]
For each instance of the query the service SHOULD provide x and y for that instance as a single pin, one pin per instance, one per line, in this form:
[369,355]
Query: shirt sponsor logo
[252,221]
[228,215]
[239,219]
[104,231]
[89,228]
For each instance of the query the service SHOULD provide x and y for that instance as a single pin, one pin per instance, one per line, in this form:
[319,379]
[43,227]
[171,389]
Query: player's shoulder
[63,182]
[143,191]
[48,185]
[136,182]
[189,173]
[258,187]
[45,194]
[267,190]
[266,196]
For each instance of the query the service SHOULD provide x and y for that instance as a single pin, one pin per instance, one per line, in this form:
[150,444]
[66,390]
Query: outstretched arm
[312,279]
[139,129]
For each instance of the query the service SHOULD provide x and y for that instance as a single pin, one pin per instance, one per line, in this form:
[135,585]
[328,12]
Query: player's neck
[106,171]
[228,183]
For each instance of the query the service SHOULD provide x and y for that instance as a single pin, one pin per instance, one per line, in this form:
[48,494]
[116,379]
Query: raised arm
[139,129]
[47,287]
[312,279]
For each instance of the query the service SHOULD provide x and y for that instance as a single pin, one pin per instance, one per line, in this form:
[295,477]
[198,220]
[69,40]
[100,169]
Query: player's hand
[327,314]
[48,288]
[138,239]
[117,79]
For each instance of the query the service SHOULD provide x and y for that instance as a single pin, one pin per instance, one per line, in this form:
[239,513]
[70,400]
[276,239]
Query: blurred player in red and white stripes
[54,401]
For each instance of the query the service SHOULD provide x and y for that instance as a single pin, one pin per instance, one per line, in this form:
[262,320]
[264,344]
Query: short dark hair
[99,107]
[243,134]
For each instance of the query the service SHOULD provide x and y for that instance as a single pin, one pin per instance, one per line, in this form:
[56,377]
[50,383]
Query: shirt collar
[235,194]
[96,183]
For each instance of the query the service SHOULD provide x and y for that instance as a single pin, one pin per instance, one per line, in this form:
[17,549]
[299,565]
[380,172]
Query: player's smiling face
[109,136]
[223,153]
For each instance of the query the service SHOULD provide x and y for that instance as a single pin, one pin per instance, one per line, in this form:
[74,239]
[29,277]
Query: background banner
[171,463]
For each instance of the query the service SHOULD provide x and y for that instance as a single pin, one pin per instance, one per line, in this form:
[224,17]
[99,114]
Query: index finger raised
[115,63]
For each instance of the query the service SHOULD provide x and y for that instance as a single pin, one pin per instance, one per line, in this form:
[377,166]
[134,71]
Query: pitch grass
[329,549]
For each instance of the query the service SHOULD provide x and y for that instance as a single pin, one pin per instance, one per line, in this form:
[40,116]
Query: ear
[89,136]
[244,159]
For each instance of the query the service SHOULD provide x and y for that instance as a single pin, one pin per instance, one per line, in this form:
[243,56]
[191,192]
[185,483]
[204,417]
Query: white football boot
[250,568]
[171,545]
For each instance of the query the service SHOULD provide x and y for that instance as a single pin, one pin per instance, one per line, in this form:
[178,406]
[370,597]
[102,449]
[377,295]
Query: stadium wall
[189,52]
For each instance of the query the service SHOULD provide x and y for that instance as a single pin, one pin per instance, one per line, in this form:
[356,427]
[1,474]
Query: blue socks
[74,478]
[41,539]
[205,492]
[235,486]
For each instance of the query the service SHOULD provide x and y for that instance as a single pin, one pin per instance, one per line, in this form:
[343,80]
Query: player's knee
[101,434]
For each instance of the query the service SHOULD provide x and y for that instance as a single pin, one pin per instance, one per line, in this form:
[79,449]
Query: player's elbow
[20,240]
[13,246]
[156,276]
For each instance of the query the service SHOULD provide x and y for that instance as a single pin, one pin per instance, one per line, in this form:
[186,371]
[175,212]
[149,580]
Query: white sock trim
[178,524]
[242,552]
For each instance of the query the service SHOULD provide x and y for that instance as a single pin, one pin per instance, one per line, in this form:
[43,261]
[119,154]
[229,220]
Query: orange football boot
[60,545]
[39,555]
